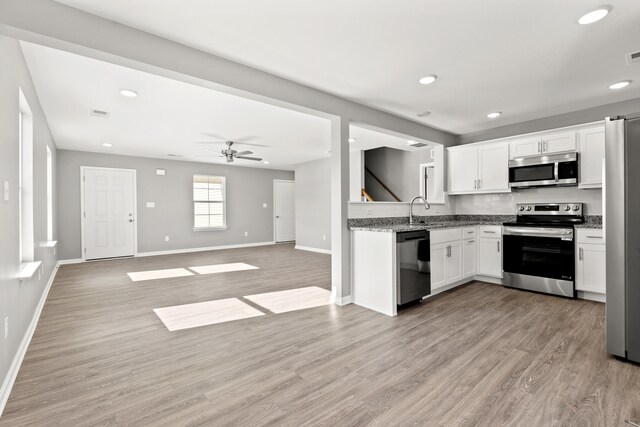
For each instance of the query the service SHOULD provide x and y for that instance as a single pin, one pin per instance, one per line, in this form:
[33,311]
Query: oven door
[539,252]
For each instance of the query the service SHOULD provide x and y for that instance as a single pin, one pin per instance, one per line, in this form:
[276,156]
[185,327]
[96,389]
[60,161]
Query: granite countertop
[591,226]
[438,225]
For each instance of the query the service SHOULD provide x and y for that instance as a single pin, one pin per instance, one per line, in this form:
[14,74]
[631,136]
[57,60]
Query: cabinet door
[590,268]
[438,265]
[493,167]
[454,262]
[469,256]
[559,142]
[463,169]
[490,257]
[591,149]
[525,148]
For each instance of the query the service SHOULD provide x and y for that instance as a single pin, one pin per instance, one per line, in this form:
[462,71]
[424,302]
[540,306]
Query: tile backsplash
[505,203]
[486,204]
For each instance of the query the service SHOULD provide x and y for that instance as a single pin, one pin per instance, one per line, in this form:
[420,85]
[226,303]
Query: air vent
[633,57]
[99,113]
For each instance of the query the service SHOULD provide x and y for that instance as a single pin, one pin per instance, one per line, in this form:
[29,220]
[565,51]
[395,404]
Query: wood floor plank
[479,355]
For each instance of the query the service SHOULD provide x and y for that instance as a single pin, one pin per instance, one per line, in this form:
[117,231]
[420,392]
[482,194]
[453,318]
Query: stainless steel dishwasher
[413,266]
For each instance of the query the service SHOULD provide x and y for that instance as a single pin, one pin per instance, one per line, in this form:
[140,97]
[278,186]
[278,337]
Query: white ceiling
[168,116]
[527,58]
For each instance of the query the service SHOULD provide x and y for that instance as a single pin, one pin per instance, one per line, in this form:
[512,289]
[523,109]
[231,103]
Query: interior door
[108,216]
[285,211]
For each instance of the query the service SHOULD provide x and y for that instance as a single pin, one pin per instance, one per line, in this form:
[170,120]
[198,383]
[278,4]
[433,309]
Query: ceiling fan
[232,154]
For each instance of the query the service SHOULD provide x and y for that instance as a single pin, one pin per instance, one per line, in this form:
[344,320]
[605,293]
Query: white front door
[285,222]
[109,212]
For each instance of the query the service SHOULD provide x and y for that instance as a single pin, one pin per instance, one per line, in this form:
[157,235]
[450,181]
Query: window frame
[223,202]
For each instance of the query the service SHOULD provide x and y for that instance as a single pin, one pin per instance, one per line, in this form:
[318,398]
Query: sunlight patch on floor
[222,268]
[292,300]
[159,274]
[188,316]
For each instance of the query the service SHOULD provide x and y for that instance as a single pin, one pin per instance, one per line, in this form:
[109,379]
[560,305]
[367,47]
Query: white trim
[274,204]
[70,261]
[341,301]
[28,269]
[592,296]
[135,206]
[12,374]
[203,249]
[310,249]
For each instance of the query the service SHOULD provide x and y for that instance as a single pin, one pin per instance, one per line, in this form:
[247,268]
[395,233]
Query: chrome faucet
[427,206]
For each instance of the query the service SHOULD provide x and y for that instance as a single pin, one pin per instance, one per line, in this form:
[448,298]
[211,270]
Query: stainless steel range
[539,252]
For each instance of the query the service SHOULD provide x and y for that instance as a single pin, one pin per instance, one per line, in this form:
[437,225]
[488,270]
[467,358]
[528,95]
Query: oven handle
[555,233]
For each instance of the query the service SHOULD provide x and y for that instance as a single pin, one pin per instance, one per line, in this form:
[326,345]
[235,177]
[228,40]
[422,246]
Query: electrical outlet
[166,238]
[264,205]
[6,191]
[324,237]
[246,233]
[6,327]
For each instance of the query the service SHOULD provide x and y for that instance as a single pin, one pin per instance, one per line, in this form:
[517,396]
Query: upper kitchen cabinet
[549,143]
[478,168]
[591,152]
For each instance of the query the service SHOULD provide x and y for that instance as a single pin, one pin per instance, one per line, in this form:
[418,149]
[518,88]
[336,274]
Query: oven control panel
[549,209]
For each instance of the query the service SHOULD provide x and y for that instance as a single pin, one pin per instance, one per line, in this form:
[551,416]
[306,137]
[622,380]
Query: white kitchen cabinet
[463,169]
[469,257]
[591,261]
[560,142]
[478,168]
[526,147]
[490,250]
[548,143]
[439,265]
[591,150]
[446,257]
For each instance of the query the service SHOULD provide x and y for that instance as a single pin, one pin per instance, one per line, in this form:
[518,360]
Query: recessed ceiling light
[494,115]
[352,140]
[266,162]
[107,144]
[620,85]
[594,15]
[128,93]
[427,80]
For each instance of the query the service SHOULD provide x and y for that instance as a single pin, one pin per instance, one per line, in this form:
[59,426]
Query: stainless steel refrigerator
[622,234]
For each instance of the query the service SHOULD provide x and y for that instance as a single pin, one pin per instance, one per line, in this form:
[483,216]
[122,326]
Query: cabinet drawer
[469,232]
[490,231]
[590,235]
[446,235]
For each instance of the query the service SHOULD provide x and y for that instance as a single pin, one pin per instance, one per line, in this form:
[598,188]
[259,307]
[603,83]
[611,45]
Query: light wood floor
[478,355]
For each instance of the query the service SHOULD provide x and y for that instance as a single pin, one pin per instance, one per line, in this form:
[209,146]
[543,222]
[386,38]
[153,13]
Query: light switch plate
[161,172]
[264,205]
[151,204]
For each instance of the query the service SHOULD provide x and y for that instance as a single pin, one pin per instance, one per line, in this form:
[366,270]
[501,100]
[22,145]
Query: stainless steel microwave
[539,171]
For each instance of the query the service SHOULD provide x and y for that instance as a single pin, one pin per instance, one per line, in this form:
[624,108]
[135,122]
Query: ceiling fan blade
[249,158]
[244,153]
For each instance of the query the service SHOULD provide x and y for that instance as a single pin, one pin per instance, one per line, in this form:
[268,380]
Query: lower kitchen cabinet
[490,251]
[446,264]
[591,261]
[469,258]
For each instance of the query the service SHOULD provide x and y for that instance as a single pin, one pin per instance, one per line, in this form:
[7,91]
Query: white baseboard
[10,379]
[592,296]
[70,261]
[204,249]
[341,300]
[310,249]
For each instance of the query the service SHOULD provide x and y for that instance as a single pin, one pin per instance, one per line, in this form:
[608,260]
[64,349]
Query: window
[25,177]
[49,195]
[209,197]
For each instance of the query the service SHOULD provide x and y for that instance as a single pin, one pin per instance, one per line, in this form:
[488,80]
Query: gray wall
[398,169]
[18,301]
[556,121]
[247,190]
[313,204]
